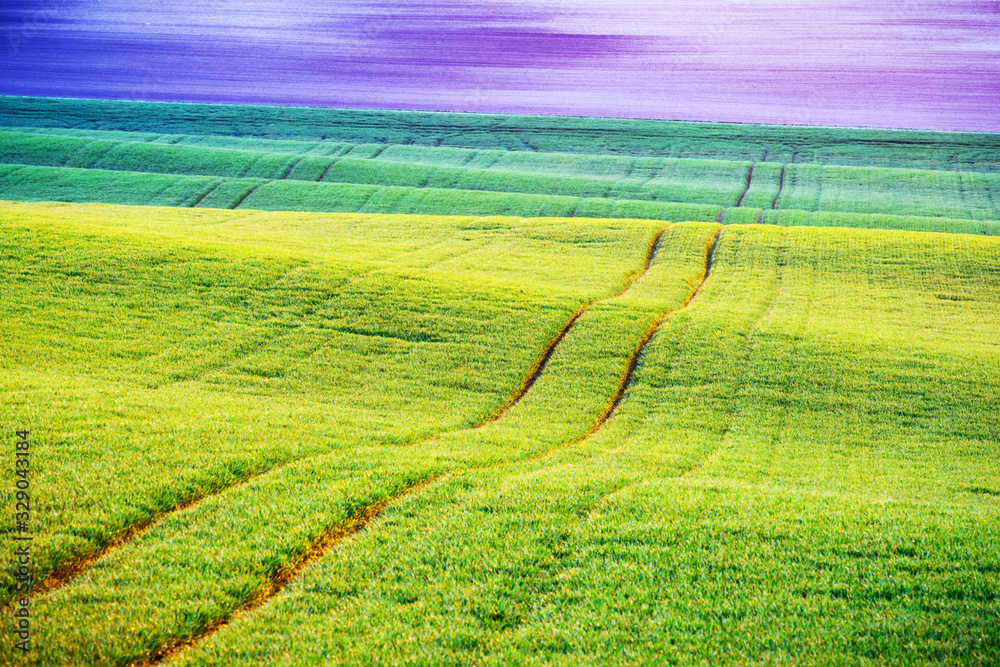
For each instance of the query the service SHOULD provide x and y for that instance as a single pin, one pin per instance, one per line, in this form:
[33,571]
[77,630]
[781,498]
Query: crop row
[25,183]
[861,147]
[946,194]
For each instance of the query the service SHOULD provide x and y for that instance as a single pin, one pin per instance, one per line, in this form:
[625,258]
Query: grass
[600,136]
[141,315]
[398,175]
[757,498]
[335,425]
[783,481]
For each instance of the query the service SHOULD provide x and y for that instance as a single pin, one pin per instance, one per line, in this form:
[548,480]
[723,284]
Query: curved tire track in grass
[767,308]
[536,369]
[244,197]
[327,170]
[278,580]
[205,196]
[636,356]
[633,361]
[292,168]
[781,186]
[739,202]
[64,574]
[328,539]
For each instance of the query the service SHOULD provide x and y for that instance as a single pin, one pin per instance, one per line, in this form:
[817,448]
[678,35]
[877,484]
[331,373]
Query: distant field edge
[577,134]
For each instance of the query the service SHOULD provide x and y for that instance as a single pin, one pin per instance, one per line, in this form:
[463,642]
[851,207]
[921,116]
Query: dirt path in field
[292,168]
[317,548]
[327,170]
[205,196]
[536,369]
[326,541]
[781,186]
[739,202]
[244,197]
[63,575]
[337,535]
[744,354]
[633,361]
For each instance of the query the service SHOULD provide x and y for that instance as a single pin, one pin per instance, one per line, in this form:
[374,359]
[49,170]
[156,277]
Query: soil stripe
[291,169]
[63,575]
[780,261]
[739,201]
[536,369]
[633,362]
[319,547]
[244,197]
[781,186]
[636,356]
[327,170]
[205,196]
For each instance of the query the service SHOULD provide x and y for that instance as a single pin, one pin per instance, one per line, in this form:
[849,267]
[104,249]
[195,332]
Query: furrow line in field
[371,195]
[63,575]
[536,369]
[961,195]
[379,151]
[205,196]
[244,197]
[291,169]
[994,211]
[633,362]
[794,363]
[473,154]
[744,353]
[95,160]
[278,580]
[781,186]
[739,202]
[327,170]
[636,356]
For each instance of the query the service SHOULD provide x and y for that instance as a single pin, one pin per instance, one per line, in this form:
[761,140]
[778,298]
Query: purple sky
[929,64]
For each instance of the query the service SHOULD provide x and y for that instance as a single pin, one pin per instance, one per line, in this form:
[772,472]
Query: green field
[309,386]
[803,467]
[286,159]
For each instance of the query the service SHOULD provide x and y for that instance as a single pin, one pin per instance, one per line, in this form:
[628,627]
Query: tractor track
[536,369]
[205,196]
[739,202]
[244,197]
[61,576]
[632,365]
[781,187]
[318,547]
